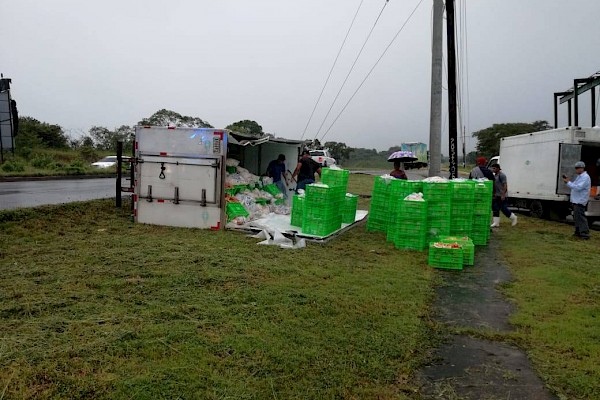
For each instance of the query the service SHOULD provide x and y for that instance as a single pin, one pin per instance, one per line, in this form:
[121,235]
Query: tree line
[37,134]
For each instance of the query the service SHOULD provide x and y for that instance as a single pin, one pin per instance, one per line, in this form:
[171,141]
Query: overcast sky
[113,62]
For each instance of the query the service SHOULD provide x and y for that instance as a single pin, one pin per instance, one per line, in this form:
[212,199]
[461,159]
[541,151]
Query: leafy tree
[471,157]
[40,134]
[339,151]
[167,117]
[247,127]
[105,139]
[488,139]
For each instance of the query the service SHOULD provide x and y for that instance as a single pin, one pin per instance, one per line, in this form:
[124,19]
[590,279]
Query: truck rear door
[568,154]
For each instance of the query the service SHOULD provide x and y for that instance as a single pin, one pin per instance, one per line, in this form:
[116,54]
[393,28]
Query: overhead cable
[351,68]
[331,70]
[372,68]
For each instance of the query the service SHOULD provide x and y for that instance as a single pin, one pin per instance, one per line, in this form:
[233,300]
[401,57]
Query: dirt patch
[471,368]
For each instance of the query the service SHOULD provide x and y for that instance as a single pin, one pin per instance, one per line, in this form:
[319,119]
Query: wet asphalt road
[35,193]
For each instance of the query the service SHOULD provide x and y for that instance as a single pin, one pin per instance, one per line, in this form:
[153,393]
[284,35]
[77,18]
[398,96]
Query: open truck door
[568,154]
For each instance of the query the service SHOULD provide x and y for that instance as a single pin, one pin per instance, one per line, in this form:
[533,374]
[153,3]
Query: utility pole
[435,114]
[452,112]
[464,136]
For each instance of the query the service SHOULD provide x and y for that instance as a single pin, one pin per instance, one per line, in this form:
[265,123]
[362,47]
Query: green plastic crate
[297,210]
[234,210]
[445,258]
[467,245]
[349,210]
[335,177]
[272,189]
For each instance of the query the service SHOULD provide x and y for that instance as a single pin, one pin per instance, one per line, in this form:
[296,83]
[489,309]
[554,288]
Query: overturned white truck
[535,162]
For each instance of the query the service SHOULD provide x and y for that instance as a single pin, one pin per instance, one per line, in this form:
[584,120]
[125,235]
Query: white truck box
[535,162]
[179,176]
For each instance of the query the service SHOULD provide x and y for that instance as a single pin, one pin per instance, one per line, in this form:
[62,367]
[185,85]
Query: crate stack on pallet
[399,189]
[379,212]
[324,202]
[438,196]
[461,215]
[482,207]
[411,225]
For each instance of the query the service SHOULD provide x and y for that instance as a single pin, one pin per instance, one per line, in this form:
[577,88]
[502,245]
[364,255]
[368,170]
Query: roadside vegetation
[94,306]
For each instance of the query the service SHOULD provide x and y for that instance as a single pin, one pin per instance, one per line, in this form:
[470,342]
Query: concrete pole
[435,115]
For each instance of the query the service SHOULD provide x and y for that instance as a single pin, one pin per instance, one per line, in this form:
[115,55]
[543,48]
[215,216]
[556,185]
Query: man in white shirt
[580,194]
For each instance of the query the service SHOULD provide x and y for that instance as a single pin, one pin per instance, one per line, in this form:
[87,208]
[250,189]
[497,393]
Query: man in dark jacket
[305,171]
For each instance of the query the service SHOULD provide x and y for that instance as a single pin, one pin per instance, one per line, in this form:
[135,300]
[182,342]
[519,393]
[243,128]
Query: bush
[43,161]
[13,166]
[76,168]
[88,153]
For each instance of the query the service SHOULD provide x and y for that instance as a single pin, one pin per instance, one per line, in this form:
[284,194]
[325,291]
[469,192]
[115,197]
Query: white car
[322,157]
[106,162]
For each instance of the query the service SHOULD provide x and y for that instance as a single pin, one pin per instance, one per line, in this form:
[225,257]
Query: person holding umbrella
[398,172]
[399,158]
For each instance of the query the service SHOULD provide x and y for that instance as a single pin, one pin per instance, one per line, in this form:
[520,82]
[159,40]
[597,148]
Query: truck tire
[538,209]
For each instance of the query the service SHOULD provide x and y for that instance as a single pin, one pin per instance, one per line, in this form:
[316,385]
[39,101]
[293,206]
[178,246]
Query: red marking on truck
[163,153]
[170,127]
[160,200]
[216,228]
[147,127]
[135,198]
[220,133]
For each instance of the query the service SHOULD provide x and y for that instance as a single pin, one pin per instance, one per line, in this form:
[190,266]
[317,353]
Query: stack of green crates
[411,225]
[337,178]
[297,210]
[467,245]
[445,257]
[461,216]
[349,210]
[439,200]
[482,207]
[379,212]
[399,189]
[322,209]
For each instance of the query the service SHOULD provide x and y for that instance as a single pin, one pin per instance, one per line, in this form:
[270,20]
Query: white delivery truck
[179,175]
[535,162]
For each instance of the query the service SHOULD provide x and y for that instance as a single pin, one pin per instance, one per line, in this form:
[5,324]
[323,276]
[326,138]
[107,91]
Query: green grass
[94,306]
[557,290]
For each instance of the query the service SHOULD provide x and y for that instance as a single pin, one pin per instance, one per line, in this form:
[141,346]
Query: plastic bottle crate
[436,191]
[445,258]
[335,177]
[324,194]
[319,228]
[413,210]
[467,245]
[411,241]
[272,189]
[234,210]
[350,206]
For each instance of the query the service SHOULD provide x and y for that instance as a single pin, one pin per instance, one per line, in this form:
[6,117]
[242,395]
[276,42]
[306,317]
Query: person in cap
[580,193]
[500,197]
[305,171]
[481,171]
[276,170]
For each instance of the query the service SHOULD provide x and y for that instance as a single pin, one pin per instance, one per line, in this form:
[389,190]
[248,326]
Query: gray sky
[113,62]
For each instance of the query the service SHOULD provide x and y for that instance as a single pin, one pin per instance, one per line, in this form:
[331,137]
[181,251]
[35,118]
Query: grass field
[93,306]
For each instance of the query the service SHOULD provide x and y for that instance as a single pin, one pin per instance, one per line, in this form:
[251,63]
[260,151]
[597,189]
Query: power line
[352,68]
[331,70]
[372,68]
